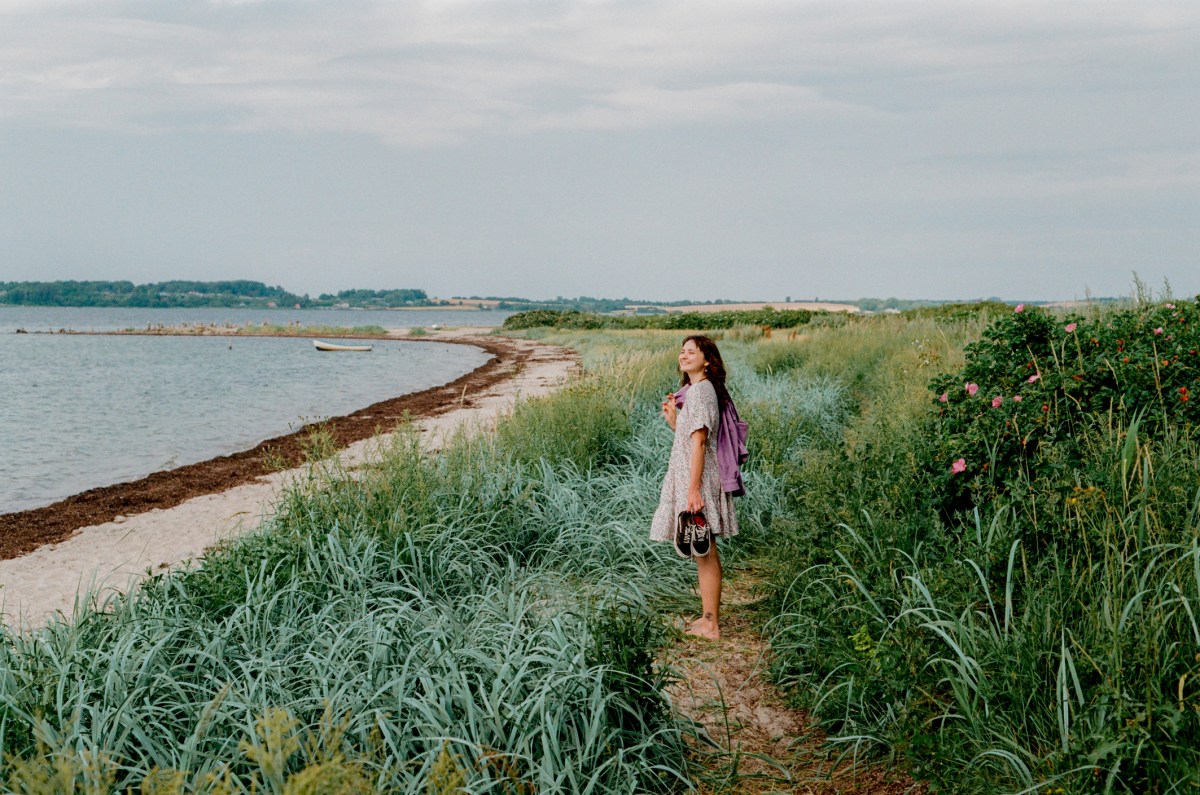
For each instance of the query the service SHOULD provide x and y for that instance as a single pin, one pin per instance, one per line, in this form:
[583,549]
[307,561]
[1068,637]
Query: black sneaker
[701,536]
[683,535]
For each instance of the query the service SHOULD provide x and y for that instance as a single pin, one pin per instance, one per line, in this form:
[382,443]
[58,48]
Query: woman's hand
[668,409]
[695,502]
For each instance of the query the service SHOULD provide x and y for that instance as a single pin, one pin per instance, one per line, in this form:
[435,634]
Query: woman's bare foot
[705,627]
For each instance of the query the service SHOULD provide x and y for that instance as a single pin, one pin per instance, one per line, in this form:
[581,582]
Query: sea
[81,410]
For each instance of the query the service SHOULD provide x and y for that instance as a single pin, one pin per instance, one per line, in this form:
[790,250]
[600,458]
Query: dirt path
[765,746]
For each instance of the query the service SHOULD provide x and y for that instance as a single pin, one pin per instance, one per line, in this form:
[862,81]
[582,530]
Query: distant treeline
[375,299]
[587,304]
[787,318]
[767,316]
[244,293]
[194,294]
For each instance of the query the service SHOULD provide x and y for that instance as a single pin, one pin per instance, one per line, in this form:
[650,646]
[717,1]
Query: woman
[693,481]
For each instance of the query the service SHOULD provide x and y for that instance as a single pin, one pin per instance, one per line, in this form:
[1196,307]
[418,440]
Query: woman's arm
[696,470]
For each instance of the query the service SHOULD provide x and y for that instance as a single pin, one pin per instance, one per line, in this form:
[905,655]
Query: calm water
[81,411]
[43,318]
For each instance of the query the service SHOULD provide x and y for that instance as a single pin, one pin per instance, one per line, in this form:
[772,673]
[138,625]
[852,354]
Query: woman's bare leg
[708,570]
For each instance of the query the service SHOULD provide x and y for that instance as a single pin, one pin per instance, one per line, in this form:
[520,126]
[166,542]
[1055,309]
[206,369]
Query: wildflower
[1020,308]
[996,401]
[1183,393]
[944,397]
[1125,359]
[972,388]
[1017,398]
[1033,378]
[1158,330]
[1169,306]
[1045,407]
[958,466]
[1071,327]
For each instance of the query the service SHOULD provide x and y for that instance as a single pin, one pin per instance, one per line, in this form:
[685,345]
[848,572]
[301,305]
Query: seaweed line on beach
[24,531]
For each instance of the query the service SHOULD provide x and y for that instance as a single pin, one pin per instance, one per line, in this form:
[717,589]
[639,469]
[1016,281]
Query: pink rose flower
[959,466]
[1071,327]
[1020,308]
[1158,330]
[972,388]
[944,397]
[1033,378]
[1017,398]
[996,401]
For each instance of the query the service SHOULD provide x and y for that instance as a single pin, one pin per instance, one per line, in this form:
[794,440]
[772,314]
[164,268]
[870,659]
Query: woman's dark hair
[714,370]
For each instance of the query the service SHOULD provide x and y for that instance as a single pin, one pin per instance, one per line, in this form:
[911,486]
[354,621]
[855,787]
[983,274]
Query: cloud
[645,105]
[440,72]
[823,145]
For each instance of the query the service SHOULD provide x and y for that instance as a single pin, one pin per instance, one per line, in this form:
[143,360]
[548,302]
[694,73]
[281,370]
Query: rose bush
[1035,385]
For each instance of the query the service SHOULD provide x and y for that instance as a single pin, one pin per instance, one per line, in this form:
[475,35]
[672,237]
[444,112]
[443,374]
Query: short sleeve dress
[699,411]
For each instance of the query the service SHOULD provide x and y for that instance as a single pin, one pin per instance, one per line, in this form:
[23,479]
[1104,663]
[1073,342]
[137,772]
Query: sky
[662,150]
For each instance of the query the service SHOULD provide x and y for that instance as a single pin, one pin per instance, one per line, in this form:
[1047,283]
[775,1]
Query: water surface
[53,318]
[80,411]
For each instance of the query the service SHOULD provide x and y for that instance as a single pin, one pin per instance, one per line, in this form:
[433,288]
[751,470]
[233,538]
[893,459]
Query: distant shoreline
[207,330]
[202,329]
[448,307]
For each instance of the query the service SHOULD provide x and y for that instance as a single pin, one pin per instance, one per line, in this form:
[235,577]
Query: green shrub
[680,321]
[1015,416]
[1044,634]
[624,645]
[583,424]
[537,318]
[959,311]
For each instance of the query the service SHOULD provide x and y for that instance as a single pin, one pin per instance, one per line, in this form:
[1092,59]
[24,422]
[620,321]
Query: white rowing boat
[329,346]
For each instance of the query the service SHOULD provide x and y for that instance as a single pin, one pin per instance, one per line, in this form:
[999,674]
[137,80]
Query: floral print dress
[699,411]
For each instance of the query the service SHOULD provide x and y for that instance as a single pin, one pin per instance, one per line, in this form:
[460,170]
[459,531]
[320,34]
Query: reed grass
[484,619]
[1005,650]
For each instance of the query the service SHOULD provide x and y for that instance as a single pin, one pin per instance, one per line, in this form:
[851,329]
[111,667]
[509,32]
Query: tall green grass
[454,610]
[485,619]
[1002,650]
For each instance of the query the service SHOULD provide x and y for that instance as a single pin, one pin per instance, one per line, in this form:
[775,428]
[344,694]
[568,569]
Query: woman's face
[691,360]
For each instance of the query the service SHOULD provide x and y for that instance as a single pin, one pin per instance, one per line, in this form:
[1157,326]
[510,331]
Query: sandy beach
[106,539]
